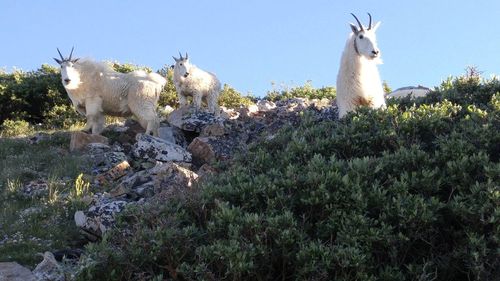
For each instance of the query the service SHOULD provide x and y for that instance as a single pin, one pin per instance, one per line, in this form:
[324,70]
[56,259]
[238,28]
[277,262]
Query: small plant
[81,187]
[14,128]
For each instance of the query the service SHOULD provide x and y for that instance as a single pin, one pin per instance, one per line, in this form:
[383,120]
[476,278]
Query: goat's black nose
[375,52]
[67,80]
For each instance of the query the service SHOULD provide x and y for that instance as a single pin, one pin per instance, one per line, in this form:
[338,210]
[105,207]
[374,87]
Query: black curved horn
[62,58]
[180,56]
[71,54]
[359,23]
[186,55]
[370,24]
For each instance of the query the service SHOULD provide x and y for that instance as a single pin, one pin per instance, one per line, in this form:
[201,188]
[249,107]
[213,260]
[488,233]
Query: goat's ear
[374,28]
[58,61]
[354,29]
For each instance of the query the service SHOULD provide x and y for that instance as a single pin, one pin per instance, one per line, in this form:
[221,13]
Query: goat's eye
[180,64]
[361,36]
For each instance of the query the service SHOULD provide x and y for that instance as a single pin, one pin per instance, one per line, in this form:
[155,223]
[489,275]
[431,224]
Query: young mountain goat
[189,80]
[358,80]
[96,89]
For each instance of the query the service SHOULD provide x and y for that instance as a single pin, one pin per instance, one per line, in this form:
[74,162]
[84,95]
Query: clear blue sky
[251,44]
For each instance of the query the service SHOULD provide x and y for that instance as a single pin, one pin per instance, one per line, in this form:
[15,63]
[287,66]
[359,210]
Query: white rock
[413,92]
[80,219]
[265,105]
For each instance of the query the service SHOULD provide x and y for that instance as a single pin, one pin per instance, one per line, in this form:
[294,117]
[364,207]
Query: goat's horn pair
[60,54]
[359,23]
[71,54]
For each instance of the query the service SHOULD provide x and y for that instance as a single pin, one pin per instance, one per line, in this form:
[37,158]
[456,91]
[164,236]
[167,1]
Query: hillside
[407,193]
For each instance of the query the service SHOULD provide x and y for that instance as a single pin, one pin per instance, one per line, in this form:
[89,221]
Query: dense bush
[28,95]
[409,193]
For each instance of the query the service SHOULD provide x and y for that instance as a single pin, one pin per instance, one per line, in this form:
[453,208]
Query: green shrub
[408,193]
[230,98]
[62,117]
[169,95]
[28,95]
[306,91]
[13,128]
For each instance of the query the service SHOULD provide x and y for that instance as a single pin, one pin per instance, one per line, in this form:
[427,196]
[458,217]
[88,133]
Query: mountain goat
[358,80]
[189,80]
[96,89]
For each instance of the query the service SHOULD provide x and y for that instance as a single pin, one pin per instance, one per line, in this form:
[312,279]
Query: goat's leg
[182,100]
[95,116]
[197,101]
[213,103]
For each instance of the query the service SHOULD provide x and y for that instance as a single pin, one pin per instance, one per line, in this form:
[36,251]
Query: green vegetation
[306,91]
[38,97]
[407,193]
[44,221]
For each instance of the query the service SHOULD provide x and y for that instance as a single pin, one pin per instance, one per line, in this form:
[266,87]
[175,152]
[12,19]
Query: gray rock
[99,217]
[49,269]
[173,135]
[35,189]
[186,119]
[12,271]
[156,149]
[104,157]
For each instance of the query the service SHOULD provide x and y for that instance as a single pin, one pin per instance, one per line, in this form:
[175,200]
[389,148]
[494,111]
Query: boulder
[12,271]
[48,269]
[202,151]
[114,173]
[80,140]
[99,218]
[265,105]
[172,135]
[213,130]
[410,91]
[171,175]
[184,118]
[156,149]
[208,149]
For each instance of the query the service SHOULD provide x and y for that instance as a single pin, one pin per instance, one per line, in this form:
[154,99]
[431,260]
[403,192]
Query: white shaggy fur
[358,80]
[96,89]
[189,80]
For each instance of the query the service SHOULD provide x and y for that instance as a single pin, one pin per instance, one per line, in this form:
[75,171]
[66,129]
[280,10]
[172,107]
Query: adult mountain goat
[189,80]
[358,80]
[96,89]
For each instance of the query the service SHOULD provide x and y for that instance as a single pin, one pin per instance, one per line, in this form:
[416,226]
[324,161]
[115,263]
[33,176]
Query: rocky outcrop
[12,271]
[157,168]
[184,118]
